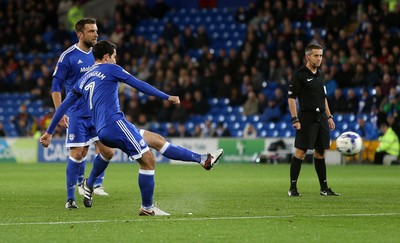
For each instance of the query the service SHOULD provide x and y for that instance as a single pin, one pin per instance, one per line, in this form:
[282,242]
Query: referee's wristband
[295,119]
[330,117]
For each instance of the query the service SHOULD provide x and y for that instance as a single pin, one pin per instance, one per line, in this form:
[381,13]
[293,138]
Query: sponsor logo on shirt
[85,69]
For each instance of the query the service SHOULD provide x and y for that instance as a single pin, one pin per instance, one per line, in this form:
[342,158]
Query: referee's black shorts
[314,132]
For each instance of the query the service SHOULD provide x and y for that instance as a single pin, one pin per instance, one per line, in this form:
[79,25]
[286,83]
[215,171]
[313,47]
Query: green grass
[232,203]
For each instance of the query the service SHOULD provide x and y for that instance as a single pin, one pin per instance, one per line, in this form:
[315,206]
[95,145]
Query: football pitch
[235,202]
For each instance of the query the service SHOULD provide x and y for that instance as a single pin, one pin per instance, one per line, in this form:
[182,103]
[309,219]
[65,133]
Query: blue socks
[146,185]
[179,153]
[81,175]
[72,176]
[99,166]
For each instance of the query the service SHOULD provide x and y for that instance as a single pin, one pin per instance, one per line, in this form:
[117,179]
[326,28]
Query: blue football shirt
[99,91]
[71,66]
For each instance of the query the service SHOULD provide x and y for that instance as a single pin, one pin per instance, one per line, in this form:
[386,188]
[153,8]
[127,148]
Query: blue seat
[335,134]
[272,133]
[285,133]
[189,126]
[237,133]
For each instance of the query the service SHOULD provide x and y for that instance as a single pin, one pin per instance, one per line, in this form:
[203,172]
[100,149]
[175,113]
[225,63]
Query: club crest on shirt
[142,143]
[72,137]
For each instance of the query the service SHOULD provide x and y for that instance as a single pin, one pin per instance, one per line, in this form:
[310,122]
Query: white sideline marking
[200,219]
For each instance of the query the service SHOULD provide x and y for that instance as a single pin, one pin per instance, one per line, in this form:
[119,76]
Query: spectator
[200,104]
[337,104]
[365,103]
[187,102]
[249,131]
[141,122]
[197,131]
[201,38]
[366,129]
[262,102]
[388,144]
[170,31]
[272,113]
[75,13]
[386,84]
[281,100]
[172,132]
[390,104]
[208,129]
[371,76]
[343,75]
[182,132]
[164,114]
[23,121]
[358,79]
[221,131]
[352,102]
[188,38]
[250,106]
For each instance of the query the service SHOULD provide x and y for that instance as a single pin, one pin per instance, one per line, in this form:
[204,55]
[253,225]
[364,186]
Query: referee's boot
[293,193]
[328,192]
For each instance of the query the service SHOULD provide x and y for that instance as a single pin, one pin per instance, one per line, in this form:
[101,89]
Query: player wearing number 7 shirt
[99,89]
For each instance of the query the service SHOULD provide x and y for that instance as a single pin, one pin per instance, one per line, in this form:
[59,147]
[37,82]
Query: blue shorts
[124,135]
[80,132]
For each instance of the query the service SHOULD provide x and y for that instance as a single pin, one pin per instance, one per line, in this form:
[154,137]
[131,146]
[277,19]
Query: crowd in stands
[361,58]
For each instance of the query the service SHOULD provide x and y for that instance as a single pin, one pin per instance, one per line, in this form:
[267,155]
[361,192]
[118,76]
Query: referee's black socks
[320,168]
[295,167]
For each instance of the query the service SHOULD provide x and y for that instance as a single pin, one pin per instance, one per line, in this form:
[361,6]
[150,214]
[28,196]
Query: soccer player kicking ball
[99,89]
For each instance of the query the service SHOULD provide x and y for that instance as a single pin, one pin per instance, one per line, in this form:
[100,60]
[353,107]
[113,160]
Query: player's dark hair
[312,46]
[102,48]
[80,25]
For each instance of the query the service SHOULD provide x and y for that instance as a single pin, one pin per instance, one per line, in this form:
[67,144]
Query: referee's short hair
[311,47]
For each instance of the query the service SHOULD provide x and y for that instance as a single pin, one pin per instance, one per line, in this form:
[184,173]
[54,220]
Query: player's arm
[56,88]
[150,90]
[71,98]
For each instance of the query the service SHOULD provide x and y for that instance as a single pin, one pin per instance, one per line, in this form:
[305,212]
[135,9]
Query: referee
[313,121]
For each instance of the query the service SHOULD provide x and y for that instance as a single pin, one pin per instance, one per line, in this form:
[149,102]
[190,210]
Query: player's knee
[77,153]
[107,153]
[148,161]
[154,140]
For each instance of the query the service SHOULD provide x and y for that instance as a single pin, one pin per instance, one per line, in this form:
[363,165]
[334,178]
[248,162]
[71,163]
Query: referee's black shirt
[309,88]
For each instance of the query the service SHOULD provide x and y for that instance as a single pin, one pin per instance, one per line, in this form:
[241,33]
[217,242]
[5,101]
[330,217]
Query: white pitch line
[164,218]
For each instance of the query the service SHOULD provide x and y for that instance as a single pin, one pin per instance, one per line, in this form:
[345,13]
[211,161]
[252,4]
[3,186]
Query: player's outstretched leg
[212,159]
[158,142]
[179,153]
